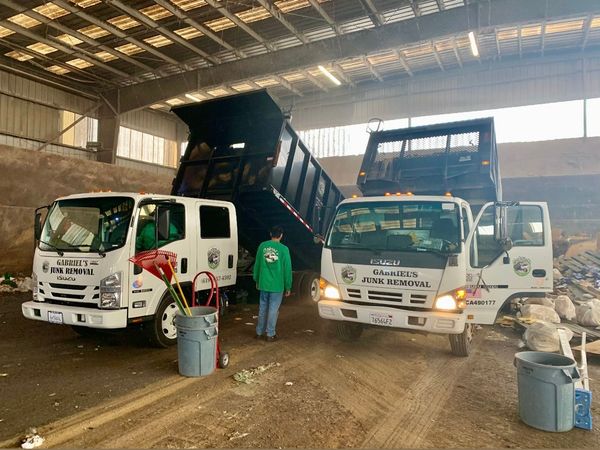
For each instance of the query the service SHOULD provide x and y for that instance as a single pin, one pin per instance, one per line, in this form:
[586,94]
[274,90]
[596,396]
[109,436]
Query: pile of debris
[10,283]
[573,306]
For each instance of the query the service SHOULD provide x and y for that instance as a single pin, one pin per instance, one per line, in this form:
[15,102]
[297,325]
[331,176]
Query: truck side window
[146,229]
[484,247]
[214,222]
[525,226]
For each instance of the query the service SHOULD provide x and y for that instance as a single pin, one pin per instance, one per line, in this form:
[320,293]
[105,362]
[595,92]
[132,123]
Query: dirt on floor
[388,389]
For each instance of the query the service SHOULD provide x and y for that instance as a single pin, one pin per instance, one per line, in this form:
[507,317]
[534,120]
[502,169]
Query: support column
[108,134]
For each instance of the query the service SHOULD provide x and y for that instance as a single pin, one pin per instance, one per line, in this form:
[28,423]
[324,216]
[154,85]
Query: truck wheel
[348,331]
[223,360]
[310,287]
[461,343]
[297,282]
[161,330]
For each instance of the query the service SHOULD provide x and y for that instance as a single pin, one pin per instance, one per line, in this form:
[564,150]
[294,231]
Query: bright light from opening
[329,75]
[192,97]
[473,43]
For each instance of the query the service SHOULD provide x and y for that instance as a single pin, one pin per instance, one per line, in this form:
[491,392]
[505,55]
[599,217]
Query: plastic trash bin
[197,341]
[546,390]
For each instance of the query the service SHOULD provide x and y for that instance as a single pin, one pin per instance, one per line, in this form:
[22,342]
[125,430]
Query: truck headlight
[34,287]
[452,301]
[329,290]
[110,291]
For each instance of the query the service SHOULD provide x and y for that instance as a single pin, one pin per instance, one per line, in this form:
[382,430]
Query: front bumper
[428,321]
[73,315]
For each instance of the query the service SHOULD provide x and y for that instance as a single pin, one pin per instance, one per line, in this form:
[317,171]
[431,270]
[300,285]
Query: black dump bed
[458,157]
[243,150]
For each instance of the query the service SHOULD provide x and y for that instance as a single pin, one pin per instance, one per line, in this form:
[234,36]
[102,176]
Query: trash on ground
[564,307]
[248,323]
[543,337]
[32,439]
[238,318]
[289,383]
[237,435]
[3,374]
[309,331]
[588,313]
[540,312]
[247,375]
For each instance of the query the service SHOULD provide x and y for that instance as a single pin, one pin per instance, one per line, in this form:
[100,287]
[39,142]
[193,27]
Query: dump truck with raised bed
[243,149]
[410,255]
[244,170]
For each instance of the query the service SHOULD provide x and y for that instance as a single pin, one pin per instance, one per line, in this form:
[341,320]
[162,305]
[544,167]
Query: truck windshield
[97,224]
[397,226]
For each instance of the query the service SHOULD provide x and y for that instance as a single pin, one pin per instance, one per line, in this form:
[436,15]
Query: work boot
[272,338]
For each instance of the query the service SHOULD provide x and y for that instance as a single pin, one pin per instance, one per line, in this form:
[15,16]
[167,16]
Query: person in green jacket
[273,277]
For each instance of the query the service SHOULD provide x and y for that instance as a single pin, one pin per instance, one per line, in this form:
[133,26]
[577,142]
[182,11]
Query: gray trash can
[197,341]
[546,390]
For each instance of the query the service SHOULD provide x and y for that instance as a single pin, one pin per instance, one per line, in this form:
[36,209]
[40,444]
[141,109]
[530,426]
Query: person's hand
[288,293]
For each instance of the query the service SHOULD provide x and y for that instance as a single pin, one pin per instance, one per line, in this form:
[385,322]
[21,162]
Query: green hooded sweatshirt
[273,267]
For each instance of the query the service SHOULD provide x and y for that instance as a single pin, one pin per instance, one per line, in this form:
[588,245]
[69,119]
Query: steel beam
[436,55]
[346,78]
[455,21]
[374,14]
[402,60]
[162,30]
[317,6]
[314,80]
[456,53]
[277,14]
[286,84]
[113,30]
[58,26]
[240,23]
[182,15]
[59,46]
[371,68]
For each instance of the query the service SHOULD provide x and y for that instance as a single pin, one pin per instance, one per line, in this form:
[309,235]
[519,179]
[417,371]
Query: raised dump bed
[459,158]
[243,149]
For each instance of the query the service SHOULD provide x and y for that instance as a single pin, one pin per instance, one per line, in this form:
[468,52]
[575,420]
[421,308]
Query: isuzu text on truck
[244,170]
[409,254]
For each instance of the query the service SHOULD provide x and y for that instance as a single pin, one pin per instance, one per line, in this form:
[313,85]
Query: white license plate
[381,319]
[55,317]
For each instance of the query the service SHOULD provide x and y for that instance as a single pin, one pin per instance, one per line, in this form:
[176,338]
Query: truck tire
[461,343]
[161,331]
[310,287]
[297,279]
[348,331]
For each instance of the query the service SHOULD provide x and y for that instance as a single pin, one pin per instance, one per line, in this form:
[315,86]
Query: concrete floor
[388,389]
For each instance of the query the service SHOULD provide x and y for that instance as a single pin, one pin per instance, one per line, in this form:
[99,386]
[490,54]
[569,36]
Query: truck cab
[410,255]
[83,271]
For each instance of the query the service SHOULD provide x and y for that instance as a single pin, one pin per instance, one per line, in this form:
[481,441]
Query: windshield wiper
[58,250]
[432,250]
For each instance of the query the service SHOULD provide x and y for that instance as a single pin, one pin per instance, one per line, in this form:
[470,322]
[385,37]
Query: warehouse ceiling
[161,53]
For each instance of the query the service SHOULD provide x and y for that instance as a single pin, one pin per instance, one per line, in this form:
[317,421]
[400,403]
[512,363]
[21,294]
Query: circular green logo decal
[522,266]
[214,258]
[349,274]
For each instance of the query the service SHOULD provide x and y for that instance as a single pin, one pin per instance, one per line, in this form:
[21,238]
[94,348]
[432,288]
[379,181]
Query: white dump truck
[82,273]
[244,170]
[409,254]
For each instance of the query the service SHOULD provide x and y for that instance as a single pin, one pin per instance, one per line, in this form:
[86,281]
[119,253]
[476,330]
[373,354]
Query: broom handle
[179,287]
[171,290]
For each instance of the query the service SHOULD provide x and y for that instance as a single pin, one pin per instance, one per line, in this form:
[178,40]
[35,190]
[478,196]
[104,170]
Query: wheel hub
[168,321]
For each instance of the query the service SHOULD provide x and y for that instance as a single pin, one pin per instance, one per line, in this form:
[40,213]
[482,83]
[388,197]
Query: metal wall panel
[26,119]
[34,91]
[148,167]
[494,85]
[155,123]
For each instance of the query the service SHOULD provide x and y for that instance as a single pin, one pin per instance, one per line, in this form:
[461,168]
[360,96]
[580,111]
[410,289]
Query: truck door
[217,246]
[146,289]
[518,264]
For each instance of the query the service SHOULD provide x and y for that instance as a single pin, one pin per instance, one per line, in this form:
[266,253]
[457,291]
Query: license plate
[55,317]
[381,319]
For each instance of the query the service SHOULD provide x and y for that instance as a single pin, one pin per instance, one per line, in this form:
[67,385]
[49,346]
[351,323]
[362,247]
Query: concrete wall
[28,181]
[565,173]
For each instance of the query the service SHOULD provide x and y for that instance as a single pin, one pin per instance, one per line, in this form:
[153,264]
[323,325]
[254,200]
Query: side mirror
[317,240]
[37,226]
[164,223]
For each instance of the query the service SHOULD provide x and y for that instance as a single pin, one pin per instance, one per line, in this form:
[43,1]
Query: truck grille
[353,293]
[385,296]
[418,299]
[69,294]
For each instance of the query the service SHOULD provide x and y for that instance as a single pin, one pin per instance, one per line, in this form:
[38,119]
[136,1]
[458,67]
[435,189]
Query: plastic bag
[545,301]
[540,312]
[564,307]
[588,313]
[543,337]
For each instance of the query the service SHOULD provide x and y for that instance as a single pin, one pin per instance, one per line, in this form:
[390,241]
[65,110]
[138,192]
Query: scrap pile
[573,306]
